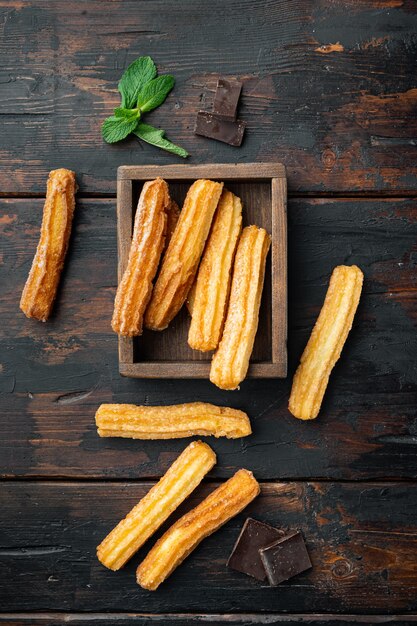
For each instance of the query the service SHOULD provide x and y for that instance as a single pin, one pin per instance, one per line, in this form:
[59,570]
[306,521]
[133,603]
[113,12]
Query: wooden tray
[262,188]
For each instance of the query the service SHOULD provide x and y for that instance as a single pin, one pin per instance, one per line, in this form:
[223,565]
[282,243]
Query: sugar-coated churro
[209,300]
[326,342]
[42,283]
[231,361]
[135,287]
[180,262]
[185,535]
[147,516]
[170,422]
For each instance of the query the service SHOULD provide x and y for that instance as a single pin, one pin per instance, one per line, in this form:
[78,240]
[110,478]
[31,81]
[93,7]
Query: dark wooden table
[329,90]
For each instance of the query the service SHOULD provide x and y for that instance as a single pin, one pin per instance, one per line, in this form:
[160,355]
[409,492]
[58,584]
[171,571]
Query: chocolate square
[245,555]
[285,558]
[226,98]
[213,127]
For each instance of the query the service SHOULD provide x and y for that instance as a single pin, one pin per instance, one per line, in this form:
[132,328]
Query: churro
[326,342]
[209,301]
[170,422]
[41,286]
[180,262]
[184,536]
[147,516]
[135,287]
[231,361]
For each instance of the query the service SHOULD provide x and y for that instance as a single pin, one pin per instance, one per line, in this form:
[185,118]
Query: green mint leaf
[126,113]
[117,128]
[134,79]
[155,136]
[154,93]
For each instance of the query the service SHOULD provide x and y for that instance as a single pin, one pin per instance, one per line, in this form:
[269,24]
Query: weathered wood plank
[362,539]
[139,619]
[217,171]
[333,99]
[55,375]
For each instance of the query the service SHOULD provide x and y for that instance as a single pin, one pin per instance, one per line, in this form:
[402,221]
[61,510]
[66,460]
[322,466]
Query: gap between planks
[227,618]
[92,480]
[337,195]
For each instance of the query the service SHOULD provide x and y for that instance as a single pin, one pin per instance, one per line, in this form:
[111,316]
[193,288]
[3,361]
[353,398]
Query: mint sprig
[141,91]
[118,128]
[155,136]
[137,75]
[154,93]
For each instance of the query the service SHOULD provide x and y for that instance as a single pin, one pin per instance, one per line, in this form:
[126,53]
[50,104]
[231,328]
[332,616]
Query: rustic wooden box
[262,188]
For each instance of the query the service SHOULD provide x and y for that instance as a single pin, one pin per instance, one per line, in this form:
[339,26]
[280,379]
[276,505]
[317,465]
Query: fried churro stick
[135,288]
[231,361]
[184,536]
[180,262]
[209,301]
[42,283]
[228,218]
[171,422]
[151,512]
[326,341]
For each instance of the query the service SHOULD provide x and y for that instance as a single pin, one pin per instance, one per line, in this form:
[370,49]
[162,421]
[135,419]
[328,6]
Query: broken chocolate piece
[226,98]
[285,558]
[208,125]
[245,555]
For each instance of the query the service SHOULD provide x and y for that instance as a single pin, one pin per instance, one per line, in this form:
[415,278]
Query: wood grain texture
[124,237]
[362,540]
[213,171]
[279,262]
[140,619]
[55,375]
[263,192]
[333,99]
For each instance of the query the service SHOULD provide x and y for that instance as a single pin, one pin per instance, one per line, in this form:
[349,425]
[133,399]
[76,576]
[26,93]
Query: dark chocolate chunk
[231,132]
[226,98]
[245,555]
[285,558]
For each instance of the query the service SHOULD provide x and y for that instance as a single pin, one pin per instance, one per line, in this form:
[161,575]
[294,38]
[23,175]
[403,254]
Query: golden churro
[171,422]
[231,361]
[209,300]
[326,342]
[180,262]
[135,287]
[147,516]
[185,535]
[41,286]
